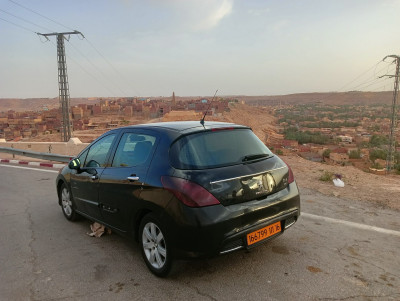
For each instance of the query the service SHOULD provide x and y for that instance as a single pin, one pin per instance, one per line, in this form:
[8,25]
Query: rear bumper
[239,241]
[214,230]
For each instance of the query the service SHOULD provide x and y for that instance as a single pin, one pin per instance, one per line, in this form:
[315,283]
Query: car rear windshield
[210,149]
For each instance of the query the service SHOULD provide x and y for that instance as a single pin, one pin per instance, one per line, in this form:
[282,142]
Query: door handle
[133,178]
[94,177]
[110,210]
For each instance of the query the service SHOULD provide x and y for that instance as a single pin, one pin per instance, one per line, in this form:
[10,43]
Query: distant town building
[173,99]
[346,139]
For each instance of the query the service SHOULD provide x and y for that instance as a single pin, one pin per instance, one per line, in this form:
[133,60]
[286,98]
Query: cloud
[180,16]
[217,11]
[196,15]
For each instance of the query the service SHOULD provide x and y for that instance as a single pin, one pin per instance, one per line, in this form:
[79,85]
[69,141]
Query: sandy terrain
[383,191]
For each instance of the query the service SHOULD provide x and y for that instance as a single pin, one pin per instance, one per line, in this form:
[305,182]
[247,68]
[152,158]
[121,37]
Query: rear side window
[133,150]
[216,148]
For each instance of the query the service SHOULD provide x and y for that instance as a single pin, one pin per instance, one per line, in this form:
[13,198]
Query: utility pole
[63,87]
[393,119]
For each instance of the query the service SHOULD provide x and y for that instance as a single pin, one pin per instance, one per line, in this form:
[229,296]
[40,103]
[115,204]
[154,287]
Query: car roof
[184,127]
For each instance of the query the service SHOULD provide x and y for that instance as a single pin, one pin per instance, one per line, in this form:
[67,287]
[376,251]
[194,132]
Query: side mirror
[91,171]
[74,164]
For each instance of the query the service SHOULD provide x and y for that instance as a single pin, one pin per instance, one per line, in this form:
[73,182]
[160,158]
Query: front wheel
[156,251]
[67,203]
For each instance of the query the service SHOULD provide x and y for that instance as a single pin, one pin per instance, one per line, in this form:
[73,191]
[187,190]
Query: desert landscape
[259,113]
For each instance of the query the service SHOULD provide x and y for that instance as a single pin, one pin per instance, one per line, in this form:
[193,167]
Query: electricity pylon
[63,87]
[393,119]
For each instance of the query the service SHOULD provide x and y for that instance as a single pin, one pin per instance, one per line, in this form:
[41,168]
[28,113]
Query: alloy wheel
[66,202]
[154,245]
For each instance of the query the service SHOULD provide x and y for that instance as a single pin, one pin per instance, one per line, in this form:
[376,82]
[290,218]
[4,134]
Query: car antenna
[204,117]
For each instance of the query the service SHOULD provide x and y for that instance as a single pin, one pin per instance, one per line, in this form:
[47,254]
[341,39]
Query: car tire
[67,204]
[155,247]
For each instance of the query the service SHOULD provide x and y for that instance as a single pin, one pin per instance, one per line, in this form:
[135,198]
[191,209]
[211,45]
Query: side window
[97,154]
[133,149]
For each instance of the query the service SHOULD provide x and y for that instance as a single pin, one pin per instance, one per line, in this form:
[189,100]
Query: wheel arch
[140,214]
[60,182]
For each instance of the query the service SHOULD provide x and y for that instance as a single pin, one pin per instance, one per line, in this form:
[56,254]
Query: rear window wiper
[255,157]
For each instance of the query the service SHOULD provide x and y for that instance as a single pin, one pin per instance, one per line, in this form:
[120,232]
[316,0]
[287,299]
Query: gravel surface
[383,191]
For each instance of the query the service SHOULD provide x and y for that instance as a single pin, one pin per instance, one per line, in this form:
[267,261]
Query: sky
[194,47]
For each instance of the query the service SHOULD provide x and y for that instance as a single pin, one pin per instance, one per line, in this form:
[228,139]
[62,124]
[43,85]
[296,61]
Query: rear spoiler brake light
[222,129]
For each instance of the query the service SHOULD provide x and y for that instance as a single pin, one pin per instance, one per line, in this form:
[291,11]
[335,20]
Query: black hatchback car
[182,189]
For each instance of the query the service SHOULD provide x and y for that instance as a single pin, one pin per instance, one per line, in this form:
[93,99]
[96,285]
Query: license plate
[263,233]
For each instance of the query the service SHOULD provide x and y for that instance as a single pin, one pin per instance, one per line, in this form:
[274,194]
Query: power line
[20,26]
[111,65]
[27,29]
[39,14]
[368,82]
[371,83]
[91,44]
[88,73]
[359,76]
[92,76]
[98,69]
[27,21]
[381,89]
[387,70]
[370,78]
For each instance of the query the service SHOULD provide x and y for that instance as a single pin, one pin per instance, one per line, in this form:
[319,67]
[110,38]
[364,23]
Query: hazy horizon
[194,96]
[152,48]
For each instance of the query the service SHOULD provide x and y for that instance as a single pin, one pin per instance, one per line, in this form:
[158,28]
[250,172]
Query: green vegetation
[355,154]
[326,153]
[326,176]
[300,120]
[326,124]
[377,154]
[378,140]
[377,165]
[311,115]
[305,137]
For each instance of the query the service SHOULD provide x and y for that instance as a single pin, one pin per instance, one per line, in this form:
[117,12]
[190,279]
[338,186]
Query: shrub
[355,154]
[326,176]
[326,153]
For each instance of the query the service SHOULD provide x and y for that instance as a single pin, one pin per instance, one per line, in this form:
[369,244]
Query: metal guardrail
[37,155]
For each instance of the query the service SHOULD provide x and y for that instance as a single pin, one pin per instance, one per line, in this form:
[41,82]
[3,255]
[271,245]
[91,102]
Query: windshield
[211,149]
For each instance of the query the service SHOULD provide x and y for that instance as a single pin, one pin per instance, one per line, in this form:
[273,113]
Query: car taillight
[222,129]
[189,193]
[291,176]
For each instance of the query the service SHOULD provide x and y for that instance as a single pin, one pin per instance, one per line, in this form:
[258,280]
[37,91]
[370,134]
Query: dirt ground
[255,117]
[384,191]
